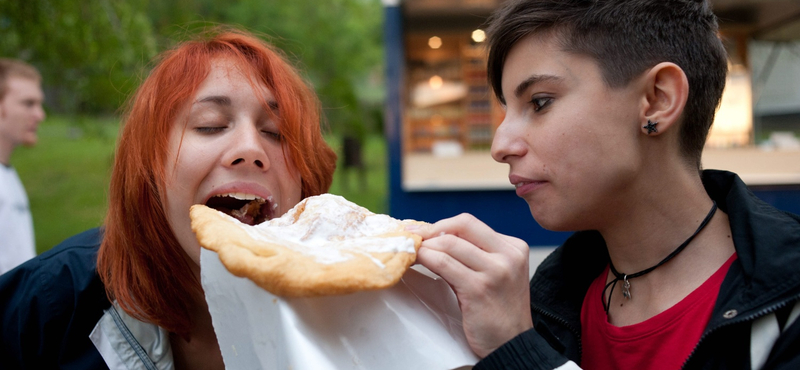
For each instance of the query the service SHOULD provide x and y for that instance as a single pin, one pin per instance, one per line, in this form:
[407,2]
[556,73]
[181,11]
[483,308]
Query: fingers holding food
[488,271]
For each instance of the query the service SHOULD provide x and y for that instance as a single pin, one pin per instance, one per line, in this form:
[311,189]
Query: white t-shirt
[16,224]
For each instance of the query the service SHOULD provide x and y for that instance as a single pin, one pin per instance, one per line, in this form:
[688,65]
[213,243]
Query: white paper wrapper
[413,325]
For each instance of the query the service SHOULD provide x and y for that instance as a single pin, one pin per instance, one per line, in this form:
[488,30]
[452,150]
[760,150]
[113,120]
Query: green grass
[374,193]
[66,176]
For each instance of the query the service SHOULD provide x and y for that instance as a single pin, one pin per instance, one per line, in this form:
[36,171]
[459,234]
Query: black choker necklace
[626,285]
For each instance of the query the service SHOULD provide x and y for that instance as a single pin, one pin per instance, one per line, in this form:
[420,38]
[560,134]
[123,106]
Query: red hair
[140,261]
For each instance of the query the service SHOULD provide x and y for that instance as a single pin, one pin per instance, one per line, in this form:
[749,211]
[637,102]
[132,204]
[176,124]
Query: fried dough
[325,245]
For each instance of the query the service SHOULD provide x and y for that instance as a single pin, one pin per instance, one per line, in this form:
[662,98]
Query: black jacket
[50,304]
[762,283]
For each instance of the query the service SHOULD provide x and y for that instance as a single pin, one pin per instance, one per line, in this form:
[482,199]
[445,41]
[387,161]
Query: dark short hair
[626,37]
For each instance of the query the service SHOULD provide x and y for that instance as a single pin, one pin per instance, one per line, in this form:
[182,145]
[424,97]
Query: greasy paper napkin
[414,325]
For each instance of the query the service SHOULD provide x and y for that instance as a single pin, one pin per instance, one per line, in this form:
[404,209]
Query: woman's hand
[488,272]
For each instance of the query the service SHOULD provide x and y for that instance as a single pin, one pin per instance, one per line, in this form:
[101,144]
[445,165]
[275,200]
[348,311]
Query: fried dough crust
[268,255]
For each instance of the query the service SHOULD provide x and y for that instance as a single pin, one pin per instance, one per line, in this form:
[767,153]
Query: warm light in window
[478,35]
[435,42]
[733,123]
[436,82]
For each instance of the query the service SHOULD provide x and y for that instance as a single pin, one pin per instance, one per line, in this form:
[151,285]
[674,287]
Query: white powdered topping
[331,229]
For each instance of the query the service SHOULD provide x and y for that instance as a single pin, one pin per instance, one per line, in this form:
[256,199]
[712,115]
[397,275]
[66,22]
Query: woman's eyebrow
[215,99]
[533,80]
[225,101]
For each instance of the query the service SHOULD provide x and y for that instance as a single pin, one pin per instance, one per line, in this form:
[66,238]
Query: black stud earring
[651,127]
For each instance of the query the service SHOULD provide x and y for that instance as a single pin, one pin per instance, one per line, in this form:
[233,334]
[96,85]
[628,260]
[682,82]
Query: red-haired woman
[224,121]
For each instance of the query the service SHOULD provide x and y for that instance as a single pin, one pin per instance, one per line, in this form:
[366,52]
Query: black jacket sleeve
[528,350]
[48,307]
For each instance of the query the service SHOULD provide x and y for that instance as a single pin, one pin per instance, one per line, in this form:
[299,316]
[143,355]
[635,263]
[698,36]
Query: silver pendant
[626,287]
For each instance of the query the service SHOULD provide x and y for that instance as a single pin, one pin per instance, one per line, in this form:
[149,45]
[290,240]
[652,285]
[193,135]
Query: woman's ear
[666,92]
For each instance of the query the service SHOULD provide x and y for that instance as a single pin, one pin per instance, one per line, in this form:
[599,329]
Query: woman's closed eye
[273,134]
[208,130]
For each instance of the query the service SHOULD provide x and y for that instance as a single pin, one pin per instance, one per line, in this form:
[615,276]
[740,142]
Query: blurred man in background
[20,113]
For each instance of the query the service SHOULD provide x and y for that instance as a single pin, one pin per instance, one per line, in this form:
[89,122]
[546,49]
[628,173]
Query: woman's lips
[524,185]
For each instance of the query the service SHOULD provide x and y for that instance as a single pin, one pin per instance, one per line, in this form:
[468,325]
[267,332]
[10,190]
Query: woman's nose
[247,149]
[508,141]
[257,162]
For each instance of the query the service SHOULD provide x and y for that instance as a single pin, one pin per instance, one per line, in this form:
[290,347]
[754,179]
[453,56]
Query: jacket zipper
[565,323]
[752,317]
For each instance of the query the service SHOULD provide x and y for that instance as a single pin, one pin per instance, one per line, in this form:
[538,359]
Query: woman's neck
[200,350]
[660,213]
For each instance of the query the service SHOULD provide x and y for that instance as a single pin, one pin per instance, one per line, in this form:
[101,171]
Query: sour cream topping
[332,229]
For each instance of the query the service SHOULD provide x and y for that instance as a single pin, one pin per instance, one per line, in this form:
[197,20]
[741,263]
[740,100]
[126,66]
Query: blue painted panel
[508,214]
[395,56]
[503,211]
[785,198]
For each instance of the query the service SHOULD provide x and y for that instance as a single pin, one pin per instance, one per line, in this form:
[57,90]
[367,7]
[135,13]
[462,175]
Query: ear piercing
[650,126]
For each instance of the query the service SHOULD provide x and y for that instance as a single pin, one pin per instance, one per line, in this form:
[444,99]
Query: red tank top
[664,341]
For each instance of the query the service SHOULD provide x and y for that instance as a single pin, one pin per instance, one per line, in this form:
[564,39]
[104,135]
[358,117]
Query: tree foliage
[89,53]
[92,53]
[338,42]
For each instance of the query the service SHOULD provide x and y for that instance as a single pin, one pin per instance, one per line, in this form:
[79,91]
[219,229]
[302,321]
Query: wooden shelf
[470,117]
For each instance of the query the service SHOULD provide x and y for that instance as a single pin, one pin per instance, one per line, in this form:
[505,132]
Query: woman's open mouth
[247,208]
